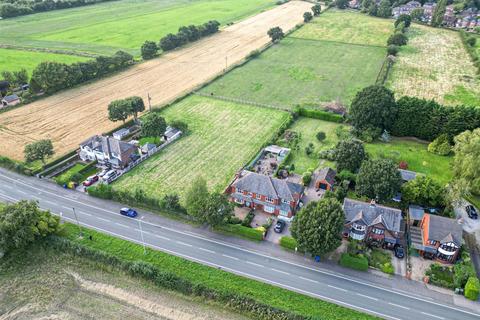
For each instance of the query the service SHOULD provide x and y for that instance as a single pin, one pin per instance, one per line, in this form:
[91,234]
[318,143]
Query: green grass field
[308,128]
[308,72]
[417,157]
[107,27]
[224,136]
[14,60]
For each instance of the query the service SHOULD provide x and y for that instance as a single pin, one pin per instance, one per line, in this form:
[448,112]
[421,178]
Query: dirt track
[74,115]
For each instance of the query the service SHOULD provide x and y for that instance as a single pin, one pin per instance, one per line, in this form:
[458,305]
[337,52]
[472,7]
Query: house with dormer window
[261,192]
[372,223]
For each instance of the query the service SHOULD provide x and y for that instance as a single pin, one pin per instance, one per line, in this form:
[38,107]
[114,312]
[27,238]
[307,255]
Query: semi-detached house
[261,192]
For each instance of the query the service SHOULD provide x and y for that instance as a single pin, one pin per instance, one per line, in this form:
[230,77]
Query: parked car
[471,211]
[279,226]
[90,180]
[109,176]
[128,212]
[134,156]
[399,252]
[103,172]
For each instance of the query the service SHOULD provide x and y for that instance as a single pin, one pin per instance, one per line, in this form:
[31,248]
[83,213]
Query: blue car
[129,212]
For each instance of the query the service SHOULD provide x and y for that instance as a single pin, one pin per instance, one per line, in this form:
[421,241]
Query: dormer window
[285,201]
[378,231]
[258,196]
[358,227]
[268,199]
[239,190]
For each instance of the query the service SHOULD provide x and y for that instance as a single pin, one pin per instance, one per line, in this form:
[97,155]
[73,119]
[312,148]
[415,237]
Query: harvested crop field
[74,115]
[435,65]
[224,136]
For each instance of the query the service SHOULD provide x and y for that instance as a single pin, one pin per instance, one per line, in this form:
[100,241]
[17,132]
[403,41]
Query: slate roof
[10,98]
[327,174]
[371,214]
[101,143]
[416,212]
[444,230]
[170,132]
[267,186]
[407,175]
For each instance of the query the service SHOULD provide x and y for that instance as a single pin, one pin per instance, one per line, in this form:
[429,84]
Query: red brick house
[438,238]
[261,192]
[325,179]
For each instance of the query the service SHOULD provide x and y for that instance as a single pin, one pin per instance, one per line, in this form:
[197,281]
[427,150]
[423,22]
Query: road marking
[306,279]
[184,244]
[230,257]
[161,237]
[326,272]
[87,214]
[280,271]
[65,207]
[333,287]
[122,225]
[20,191]
[206,250]
[432,315]
[255,264]
[368,297]
[103,219]
[398,306]
[8,198]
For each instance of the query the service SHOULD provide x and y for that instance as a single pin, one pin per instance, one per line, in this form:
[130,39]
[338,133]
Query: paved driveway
[274,237]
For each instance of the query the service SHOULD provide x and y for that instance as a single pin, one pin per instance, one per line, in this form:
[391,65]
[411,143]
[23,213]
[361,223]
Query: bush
[398,39]
[307,16]
[288,242]
[392,50]
[102,191]
[403,165]
[321,136]
[319,114]
[307,178]
[248,219]
[346,175]
[234,220]
[242,231]
[472,288]
[387,268]
[309,149]
[357,262]
[327,154]
[180,125]
[253,54]
[441,146]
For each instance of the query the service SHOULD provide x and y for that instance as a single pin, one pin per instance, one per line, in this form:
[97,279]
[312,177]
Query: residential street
[395,298]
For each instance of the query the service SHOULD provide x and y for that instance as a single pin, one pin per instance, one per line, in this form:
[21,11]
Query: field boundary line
[52,51]
[246,102]
[338,42]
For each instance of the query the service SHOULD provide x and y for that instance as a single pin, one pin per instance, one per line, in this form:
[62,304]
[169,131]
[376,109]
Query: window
[269,209]
[432,242]
[240,201]
[258,196]
[284,213]
[285,201]
[268,199]
[358,227]
[249,194]
[378,231]
[239,190]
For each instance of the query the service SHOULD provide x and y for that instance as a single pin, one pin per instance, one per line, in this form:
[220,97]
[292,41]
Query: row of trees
[15,8]
[23,223]
[120,110]
[54,76]
[188,34]
[316,10]
[14,79]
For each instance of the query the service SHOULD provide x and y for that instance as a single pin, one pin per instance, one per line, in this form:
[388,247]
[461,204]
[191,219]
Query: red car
[90,180]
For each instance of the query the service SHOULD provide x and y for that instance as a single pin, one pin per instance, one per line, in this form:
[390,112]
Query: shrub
[392,50]
[253,54]
[319,114]
[327,154]
[346,175]
[288,242]
[307,178]
[309,149]
[357,262]
[239,230]
[307,16]
[321,136]
[180,125]
[471,41]
[472,288]
[441,146]
[103,191]
[247,221]
[398,39]
[387,268]
[234,220]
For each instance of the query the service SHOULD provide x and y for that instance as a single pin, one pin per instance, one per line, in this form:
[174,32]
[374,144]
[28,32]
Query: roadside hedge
[18,167]
[288,242]
[319,114]
[244,232]
[472,288]
[470,49]
[358,262]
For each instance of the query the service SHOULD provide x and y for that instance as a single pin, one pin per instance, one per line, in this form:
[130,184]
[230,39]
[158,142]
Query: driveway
[400,265]
[274,237]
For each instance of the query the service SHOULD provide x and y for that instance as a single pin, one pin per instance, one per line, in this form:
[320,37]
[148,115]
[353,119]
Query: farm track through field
[74,115]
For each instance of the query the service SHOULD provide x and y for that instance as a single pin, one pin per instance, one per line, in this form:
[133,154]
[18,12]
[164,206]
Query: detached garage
[325,179]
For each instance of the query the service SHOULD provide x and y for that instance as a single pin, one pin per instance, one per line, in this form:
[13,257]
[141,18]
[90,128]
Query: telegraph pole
[149,102]
[78,222]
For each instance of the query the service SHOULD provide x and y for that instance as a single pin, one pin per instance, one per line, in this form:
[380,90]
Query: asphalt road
[330,286]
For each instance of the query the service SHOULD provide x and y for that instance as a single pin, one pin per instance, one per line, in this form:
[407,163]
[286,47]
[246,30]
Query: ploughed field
[328,59]
[72,116]
[224,136]
[435,65]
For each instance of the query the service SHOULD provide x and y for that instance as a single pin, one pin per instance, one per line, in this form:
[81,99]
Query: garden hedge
[358,262]
[288,242]
[472,288]
[239,230]
[319,114]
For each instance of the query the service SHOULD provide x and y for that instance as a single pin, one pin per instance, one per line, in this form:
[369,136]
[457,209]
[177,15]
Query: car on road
[128,212]
[90,180]
[399,252]
[279,226]
[472,212]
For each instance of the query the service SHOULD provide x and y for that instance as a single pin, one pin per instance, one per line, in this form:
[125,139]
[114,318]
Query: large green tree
[466,163]
[217,209]
[378,179]
[119,110]
[317,227]
[438,13]
[424,191]
[136,105]
[384,9]
[39,150]
[276,34]
[349,155]
[153,125]
[196,197]
[23,222]
[373,110]
[149,50]
[50,76]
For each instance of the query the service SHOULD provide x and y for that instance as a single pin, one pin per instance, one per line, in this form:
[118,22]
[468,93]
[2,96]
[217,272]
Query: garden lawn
[107,27]
[349,27]
[302,72]
[67,175]
[435,65]
[308,128]
[416,155]
[224,137]
[14,60]
[217,279]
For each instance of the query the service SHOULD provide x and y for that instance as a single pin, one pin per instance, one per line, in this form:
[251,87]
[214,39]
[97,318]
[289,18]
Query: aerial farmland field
[107,27]
[314,65]
[224,136]
[435,65]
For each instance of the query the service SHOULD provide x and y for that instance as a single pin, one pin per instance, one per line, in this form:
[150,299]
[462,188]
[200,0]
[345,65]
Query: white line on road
[22,192]
[83,212]
[206,250]
[122,225]
[230,257]
[67,208]
[48,201]
[306,279]
[432,315]
[280,271]
[398,306]
[255,264]
[368,297]
[184,244]
[161,237]
[103,219]
[333,287]
[8,198]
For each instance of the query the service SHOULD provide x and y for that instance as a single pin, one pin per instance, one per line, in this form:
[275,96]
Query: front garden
[360,257]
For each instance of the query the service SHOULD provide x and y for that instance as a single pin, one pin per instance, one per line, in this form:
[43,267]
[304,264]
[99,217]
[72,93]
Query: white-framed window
[358,227]
[432,242]
[239,201]
[284,213]
[258,196]
[268,199]
[378,231]
[249,194]
[239,190]
[269,209]
[285,201]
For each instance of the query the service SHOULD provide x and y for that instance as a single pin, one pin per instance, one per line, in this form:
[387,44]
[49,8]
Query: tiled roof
[444,230]
[327,174]
[372,214]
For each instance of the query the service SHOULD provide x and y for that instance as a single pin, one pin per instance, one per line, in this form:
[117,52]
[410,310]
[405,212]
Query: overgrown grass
[381,259]
[224,136]
[216,279]
[107,27]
